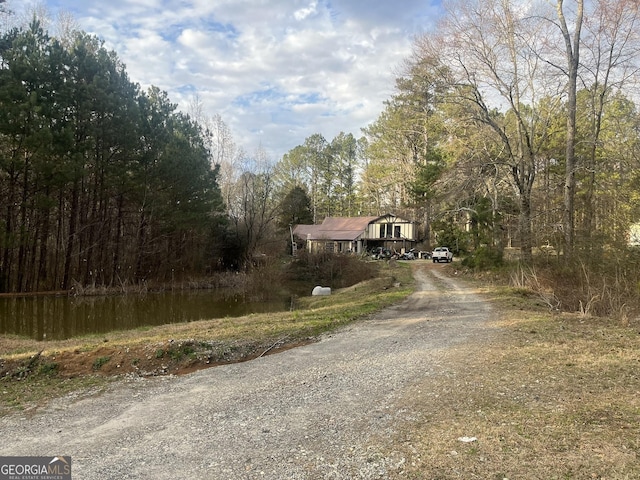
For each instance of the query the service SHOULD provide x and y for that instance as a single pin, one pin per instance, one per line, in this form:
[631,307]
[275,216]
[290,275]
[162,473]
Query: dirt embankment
[174,357]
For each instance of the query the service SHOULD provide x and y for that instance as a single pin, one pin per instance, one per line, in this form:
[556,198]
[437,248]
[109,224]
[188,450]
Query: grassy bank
[551,396]
[31,372]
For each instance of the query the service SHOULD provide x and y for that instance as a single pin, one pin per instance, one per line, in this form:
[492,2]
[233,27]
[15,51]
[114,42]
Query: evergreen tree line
[100,183]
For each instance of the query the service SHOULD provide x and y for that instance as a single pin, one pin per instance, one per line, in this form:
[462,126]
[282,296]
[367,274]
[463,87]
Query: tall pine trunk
[71,239]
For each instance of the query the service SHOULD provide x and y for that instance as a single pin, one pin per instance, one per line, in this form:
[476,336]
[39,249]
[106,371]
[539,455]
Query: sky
[276,71]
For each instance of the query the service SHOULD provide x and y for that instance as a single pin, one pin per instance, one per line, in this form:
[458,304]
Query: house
[357,234]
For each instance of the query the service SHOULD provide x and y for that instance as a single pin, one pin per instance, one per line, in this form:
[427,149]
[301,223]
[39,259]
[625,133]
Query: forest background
[513,128]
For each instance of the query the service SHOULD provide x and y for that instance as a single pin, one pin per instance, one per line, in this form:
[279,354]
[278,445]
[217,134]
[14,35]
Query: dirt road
[327,410]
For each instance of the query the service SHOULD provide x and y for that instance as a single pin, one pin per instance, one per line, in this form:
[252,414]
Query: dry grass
[550,397]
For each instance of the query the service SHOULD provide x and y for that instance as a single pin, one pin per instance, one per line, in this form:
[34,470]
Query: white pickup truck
[442,254]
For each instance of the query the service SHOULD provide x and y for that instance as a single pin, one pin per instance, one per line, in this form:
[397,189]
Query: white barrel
[321,291]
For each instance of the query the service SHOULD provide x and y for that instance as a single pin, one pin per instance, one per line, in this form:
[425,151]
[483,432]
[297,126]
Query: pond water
[61,317]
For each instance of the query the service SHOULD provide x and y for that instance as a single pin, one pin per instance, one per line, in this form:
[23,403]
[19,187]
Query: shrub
[337,271]
[483,258]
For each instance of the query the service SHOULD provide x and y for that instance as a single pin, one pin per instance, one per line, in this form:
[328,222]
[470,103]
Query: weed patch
[99,362]
[48,368]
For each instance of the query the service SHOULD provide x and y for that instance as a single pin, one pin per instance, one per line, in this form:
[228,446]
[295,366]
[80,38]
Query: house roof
[335,228]
[304,230]
[346,223]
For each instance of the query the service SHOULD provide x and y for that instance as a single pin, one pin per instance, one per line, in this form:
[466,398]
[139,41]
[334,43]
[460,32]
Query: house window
[386,230]
[396,231]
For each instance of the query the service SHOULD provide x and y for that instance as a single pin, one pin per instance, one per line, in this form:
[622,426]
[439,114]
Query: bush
[337,271]
[483,258]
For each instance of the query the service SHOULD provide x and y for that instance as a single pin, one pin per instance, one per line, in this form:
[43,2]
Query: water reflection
[60,317]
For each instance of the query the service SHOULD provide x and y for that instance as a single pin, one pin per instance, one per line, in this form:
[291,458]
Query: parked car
[442,254]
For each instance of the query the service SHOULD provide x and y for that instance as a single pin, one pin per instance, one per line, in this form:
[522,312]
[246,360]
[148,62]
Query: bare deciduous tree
[496,80]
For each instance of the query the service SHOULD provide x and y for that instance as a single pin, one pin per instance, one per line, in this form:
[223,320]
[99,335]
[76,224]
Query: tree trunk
[42,278]
[141,246]
[572,47]
[71,239]
[7,254]
[23,228]
[524,221]
[116,243]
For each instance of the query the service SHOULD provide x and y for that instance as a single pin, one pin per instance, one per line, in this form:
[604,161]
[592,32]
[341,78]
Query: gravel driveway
[327,410]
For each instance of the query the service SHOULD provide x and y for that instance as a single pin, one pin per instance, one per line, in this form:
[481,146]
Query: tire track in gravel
[324,410]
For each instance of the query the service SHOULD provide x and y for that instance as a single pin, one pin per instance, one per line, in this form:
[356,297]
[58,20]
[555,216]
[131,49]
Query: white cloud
[276,71]
[306,12]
